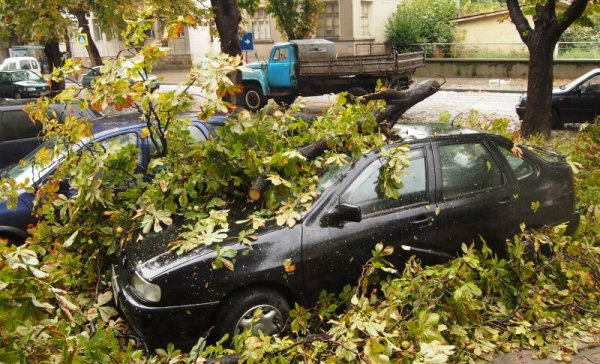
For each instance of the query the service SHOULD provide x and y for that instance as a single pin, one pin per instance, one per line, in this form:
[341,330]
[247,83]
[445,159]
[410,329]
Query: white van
[21,63]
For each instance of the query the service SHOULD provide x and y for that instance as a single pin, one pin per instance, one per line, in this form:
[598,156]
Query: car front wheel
[17,95]
[556,121]
[256,309]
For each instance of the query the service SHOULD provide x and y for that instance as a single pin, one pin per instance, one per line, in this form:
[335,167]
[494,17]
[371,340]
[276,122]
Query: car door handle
[505,201]
[422,220]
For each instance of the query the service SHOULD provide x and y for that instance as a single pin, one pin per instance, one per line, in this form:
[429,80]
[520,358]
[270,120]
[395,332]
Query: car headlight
[143,289]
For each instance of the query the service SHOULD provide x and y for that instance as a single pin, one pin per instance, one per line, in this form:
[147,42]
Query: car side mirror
[341,213]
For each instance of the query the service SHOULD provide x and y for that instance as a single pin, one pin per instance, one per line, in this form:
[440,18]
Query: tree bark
[55,59]
[227,20]
[91,48]
[540,41]
[538,115]
[397,104]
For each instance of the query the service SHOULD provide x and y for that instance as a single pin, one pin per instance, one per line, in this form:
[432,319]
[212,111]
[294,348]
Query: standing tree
[541,40]
[296,19]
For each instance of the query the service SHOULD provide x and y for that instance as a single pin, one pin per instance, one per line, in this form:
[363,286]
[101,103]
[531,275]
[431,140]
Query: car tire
[253,97]
[12,240]
[236,313]
[17,96]
[556,122]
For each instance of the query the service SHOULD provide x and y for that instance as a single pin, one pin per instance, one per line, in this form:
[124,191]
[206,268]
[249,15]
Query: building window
[97,33]
[365,10]
[261,25]
[329,25]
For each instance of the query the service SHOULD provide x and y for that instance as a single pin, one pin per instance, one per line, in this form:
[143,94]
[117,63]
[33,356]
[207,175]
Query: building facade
[354,25]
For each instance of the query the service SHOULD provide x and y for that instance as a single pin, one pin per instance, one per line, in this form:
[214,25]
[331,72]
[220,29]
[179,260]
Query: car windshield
[29,171]
[24,76]
[578,80]
[330,175]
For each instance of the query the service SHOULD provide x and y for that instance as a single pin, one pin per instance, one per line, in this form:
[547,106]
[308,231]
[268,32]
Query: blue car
[14,223]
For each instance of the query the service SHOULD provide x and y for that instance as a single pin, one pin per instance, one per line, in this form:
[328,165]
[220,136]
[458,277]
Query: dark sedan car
[461,184]
[92,74]
[19,135]
[113,135]
[575,102]
[22,84]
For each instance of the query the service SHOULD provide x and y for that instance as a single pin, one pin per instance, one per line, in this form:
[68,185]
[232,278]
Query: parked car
[92,74]
[110,133]
[461,184]
[21,63]
[575,102]
[22,84]
[19,135]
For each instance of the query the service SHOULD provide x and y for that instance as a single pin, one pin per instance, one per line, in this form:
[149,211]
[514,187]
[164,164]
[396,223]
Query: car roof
[423,131]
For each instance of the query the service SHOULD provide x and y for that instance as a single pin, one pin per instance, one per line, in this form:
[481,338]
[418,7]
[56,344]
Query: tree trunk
[538,115]
[91,48]
[227,19]
[55,59]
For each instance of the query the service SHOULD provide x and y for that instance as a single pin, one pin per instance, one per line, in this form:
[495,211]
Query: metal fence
[563,50]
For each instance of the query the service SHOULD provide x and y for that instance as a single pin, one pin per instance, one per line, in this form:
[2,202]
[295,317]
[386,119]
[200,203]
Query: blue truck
[311,67]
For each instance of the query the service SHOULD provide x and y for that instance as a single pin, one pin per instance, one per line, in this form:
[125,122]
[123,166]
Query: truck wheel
[285,100]
[357,91]
[253,97]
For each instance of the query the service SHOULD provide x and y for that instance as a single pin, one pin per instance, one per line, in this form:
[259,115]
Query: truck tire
[285,100]
[253,97]
[357,91]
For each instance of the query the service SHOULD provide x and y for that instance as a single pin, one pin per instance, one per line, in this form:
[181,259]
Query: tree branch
[519,19]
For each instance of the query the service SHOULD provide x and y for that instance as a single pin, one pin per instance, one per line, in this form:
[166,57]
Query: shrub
[421,21]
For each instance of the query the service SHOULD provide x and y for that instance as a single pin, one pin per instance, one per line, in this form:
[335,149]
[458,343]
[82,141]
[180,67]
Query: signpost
[82,39]
[247,43]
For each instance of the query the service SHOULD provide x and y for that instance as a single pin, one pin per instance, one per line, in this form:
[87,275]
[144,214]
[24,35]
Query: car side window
[17,125]
[114,144]
[522,168]
[195,133]
[591,86]
[467,168]
[364,192]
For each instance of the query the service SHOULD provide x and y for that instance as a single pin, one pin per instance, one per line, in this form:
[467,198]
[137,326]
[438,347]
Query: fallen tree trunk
[398,102]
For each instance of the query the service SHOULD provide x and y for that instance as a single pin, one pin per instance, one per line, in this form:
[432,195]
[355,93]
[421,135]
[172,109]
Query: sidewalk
[464,84]
[590,355]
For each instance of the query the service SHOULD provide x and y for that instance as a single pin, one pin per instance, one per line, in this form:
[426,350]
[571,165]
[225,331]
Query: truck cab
[276,77]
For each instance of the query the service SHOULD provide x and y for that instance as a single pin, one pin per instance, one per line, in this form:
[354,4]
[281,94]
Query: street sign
[81,39]
[247,42]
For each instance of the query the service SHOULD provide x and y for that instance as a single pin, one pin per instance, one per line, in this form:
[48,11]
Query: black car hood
[152,256]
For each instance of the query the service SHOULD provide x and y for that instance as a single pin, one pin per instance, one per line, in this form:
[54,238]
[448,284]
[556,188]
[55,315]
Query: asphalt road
[491,105]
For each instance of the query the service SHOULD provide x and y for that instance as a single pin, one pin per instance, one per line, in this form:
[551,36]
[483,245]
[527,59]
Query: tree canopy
[420,21]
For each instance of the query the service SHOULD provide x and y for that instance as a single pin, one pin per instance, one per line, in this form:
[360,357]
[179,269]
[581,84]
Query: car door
[580,104]
[281,67]
[476,197]
[18,136]
[6,87]
[334,255]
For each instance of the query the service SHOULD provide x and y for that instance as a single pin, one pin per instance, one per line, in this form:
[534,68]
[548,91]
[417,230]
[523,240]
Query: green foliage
[421,21]
[480,6]
[55,289]
[296,19]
